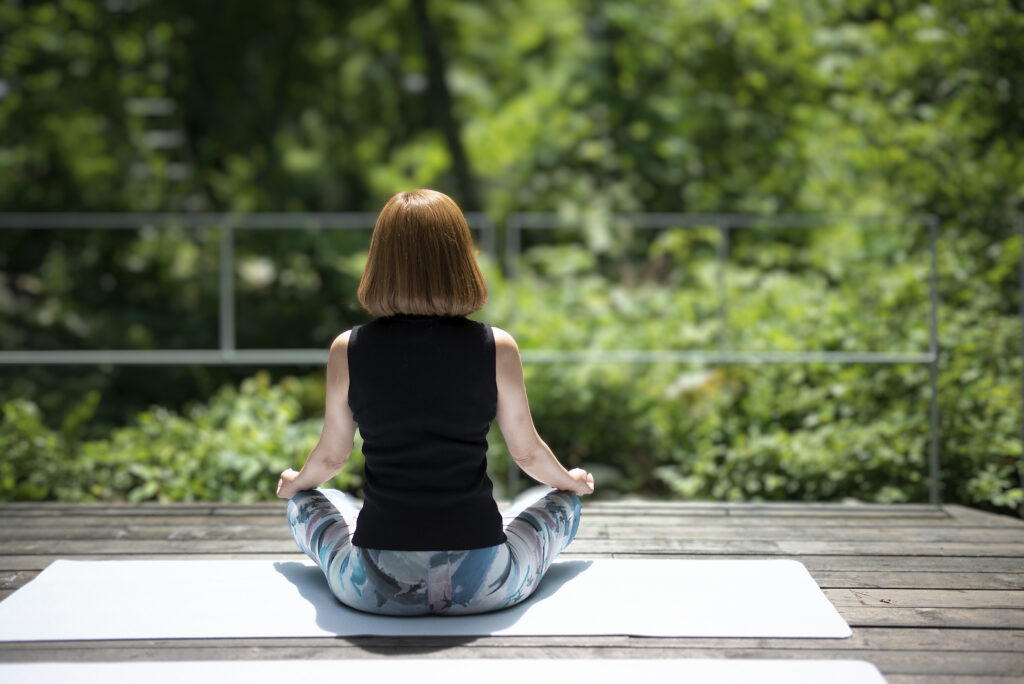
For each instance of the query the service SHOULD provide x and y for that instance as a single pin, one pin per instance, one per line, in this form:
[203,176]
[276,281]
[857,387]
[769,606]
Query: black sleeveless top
[423,392]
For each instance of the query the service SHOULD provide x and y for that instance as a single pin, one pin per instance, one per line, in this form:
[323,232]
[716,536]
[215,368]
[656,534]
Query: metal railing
[228,354]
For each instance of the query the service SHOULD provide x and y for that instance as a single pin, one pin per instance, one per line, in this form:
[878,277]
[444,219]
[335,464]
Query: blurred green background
[582,108]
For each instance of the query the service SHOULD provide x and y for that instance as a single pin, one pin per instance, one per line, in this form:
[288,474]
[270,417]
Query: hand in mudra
[285,486]
[584,481]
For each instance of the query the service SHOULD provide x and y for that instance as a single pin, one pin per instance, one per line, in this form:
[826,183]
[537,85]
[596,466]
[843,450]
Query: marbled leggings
[432,582]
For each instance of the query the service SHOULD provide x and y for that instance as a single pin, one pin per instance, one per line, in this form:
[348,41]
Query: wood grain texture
[934,594]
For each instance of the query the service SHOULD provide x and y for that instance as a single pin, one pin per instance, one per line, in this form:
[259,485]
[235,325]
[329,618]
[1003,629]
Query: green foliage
[230,449]
[581,108]
[768,432]
[777,431]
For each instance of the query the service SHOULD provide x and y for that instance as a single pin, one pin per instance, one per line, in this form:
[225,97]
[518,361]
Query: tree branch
[440,102]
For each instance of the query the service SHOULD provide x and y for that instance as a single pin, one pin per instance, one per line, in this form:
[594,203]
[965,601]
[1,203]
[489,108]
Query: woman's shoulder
[503,338]
[342,340]
[505,347]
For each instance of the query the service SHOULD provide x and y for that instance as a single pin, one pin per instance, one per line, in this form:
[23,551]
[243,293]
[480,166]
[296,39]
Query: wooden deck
[932,594]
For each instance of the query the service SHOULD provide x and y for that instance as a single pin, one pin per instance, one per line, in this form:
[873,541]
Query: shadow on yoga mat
[334,616]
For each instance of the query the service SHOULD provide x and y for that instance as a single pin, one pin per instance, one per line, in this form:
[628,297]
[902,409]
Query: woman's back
[423,392]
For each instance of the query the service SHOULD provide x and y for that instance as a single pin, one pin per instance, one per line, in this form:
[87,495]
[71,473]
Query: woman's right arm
[335,445]
[527,448]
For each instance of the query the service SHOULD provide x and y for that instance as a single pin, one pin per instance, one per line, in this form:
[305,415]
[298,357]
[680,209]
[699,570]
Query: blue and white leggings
[432,582]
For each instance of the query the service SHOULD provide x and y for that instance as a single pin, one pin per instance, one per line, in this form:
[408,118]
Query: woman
[423,383]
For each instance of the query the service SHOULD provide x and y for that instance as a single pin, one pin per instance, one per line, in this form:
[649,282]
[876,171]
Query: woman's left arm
[335,445]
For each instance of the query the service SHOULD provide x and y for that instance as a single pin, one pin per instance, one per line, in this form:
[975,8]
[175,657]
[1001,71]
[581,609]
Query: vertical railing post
[485,231]
[1021,473]
[934,469]
[722,284]
[513,245]
[226,308]
[488,237]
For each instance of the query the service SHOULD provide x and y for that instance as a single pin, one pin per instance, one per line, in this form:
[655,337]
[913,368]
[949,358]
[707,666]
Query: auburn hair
[421,259]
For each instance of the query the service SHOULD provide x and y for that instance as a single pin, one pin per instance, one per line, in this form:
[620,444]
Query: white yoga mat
[182,599]
[476,671]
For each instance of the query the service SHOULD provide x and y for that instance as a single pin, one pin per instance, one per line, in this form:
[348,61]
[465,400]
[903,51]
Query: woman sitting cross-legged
[423,383]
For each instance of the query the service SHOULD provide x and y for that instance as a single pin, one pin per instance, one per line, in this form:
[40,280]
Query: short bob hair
[421,259]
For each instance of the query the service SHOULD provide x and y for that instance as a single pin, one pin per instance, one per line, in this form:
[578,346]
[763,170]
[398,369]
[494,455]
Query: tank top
[422,390]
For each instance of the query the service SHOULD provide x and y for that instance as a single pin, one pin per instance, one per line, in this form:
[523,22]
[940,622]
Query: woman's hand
[286,485]
[584,481]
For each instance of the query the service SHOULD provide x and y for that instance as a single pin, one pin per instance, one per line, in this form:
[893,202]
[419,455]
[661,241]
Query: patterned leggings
[432,582]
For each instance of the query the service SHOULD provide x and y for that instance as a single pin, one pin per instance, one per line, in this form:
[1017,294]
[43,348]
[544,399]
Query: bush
[229,449]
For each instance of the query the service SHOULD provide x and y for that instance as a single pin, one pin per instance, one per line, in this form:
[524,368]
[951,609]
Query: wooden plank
[80,518]
[806,547]
[359,641]
[890,662]
[627,530]
[975,618]
[926,598]
[851,507]
[57,505]
[862,562]
[588,530]
[950,679]
[812,563]
[199,547]
[918,580]
[973,516]
[695,547]
[851,563]
[40,561]
[862,639]
[633,528]
[655,545]
[753,514]
[69,520]
[47,508]
[175,532]
[646,508]
[797,522]
[16,579]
